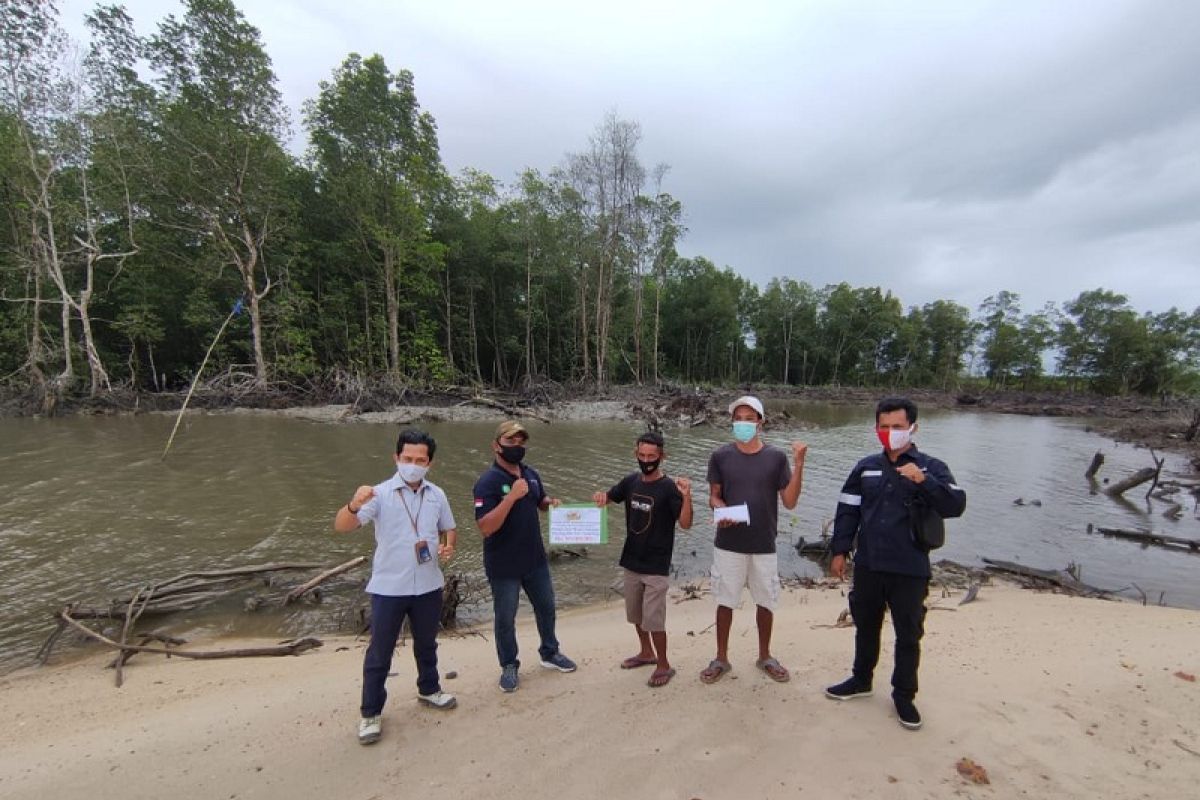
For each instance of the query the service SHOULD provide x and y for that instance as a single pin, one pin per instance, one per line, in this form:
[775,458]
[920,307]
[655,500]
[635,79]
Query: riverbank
[1053,696]
[1161,424]
[1139,421]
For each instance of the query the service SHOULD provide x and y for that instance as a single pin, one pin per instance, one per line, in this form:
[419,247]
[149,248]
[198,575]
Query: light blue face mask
[744,431]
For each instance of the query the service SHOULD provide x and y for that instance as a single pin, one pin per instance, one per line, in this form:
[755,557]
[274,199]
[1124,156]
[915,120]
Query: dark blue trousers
[424,612]
[904,596]
[506,593]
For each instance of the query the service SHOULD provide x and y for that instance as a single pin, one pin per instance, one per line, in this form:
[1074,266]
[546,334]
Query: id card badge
[423,554]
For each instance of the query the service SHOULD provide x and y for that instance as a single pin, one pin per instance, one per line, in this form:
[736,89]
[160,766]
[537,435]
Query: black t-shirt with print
[651,509]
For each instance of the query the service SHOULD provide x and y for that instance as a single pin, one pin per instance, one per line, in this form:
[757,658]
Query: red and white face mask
[893,439]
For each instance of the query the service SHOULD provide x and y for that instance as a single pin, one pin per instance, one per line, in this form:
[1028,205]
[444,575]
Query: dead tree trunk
[1136,479]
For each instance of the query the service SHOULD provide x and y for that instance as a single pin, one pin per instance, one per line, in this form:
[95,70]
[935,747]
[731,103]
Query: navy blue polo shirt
[515,549]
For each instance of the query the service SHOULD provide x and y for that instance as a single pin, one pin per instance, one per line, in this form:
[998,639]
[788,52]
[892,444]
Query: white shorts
[732,572]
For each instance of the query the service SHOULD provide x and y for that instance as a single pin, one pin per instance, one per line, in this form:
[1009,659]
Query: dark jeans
[424,612]
[506,594]
[904,596]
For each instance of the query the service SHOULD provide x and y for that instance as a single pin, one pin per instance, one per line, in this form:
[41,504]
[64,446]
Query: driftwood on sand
[184,592]
[1032,577]
[188,591]
[289,648]
[262,585]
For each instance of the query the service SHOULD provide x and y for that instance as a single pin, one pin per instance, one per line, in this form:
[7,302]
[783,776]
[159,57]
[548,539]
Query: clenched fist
[361,495]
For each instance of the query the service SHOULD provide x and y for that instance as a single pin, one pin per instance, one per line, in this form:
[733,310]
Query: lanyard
[413,517]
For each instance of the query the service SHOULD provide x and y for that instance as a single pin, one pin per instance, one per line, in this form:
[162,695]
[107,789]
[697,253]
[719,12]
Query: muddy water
[88,511]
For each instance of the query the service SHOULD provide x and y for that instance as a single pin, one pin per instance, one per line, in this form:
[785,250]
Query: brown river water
[88,511]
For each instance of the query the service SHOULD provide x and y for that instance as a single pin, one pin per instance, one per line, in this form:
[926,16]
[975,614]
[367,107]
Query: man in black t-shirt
[653,503]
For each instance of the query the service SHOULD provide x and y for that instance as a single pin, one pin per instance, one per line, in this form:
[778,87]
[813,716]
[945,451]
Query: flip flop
[633,662]
[774,669]
[715,670]
[661,677]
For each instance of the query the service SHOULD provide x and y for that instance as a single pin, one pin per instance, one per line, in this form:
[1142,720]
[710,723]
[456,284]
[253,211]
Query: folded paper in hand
[733,514]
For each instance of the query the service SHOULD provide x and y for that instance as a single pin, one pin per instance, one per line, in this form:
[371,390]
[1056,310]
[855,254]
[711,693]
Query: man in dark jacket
[890,569]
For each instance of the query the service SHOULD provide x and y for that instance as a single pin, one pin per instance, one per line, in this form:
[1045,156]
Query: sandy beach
[1053,696]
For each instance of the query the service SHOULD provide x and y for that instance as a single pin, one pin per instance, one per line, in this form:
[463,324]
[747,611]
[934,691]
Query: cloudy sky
[936,149]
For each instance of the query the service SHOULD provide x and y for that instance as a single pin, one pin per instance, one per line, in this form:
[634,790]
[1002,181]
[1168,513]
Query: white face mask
[411,473]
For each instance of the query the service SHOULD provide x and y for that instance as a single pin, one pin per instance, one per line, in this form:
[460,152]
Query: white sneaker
[441,700]
[370,729]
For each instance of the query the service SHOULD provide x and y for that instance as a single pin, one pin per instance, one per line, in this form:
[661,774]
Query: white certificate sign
[578,524]
[735,514]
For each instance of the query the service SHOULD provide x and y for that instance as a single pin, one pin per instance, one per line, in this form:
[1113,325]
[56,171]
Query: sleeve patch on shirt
[479,502]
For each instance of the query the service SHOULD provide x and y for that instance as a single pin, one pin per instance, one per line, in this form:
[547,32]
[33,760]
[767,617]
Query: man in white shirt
[413,521]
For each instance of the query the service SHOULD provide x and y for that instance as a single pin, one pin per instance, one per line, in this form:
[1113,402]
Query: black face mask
[512,453]
[648,467]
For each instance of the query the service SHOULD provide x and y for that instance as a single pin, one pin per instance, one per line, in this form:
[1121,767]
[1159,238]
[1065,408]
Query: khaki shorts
[646,600]
[732,572]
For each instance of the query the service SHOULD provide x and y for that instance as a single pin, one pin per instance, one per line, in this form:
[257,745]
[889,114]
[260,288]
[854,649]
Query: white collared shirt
[395,571]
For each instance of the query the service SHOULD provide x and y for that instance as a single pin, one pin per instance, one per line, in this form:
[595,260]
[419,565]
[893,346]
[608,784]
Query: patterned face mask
[894,440]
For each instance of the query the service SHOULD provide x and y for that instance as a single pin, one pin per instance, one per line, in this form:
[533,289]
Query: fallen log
[235,571]
[509,410]
[145,638]
[159,606]
[187,591]
[1158,465]
[1097,462]
[1136,479]
[1056,578]
[130,618]
[1149,537]
[43,653]
[303,589]
[289,648]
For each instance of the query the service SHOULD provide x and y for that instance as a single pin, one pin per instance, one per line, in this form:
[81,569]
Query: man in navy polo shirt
[508,498]
[891,571]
